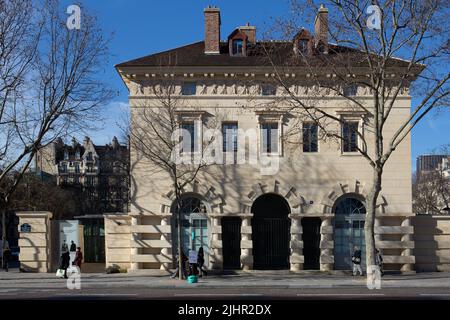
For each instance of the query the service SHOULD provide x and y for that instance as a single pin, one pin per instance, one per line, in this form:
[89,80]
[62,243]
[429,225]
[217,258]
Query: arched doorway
[195,226]
[350,214]
[271,232]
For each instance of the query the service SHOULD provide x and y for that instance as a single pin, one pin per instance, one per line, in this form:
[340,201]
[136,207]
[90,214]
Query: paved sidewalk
[254,279]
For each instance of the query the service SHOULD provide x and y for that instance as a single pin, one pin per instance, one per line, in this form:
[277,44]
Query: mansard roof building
[309,213]
[98,175]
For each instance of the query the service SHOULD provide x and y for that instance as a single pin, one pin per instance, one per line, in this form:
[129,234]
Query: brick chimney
[321,29]
[250,32]
[212,30]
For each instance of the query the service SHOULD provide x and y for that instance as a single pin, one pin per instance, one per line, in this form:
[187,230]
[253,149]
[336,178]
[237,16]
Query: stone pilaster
[407,267]
[246,243]
[326,245]
[296,244]
[166,236]
[134,251]
[216,255]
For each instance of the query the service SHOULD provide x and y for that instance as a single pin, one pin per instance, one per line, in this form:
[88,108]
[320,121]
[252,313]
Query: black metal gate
[231,242]
[271,238]
[311,243]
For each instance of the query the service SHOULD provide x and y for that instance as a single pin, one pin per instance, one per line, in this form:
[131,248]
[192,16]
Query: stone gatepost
[326,244]
[407,252]
[35,241]
[216,256]
[246,242]
[296,245]
[166,252]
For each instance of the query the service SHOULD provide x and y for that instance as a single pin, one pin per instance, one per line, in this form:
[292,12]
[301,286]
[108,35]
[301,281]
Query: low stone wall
[118,240]
[35,244]
[432,243]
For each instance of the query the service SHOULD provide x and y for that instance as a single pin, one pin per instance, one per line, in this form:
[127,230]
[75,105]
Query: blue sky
[142,27]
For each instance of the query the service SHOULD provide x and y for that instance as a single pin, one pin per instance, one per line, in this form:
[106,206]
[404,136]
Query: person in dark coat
[184,260]
[6,257]
[78,258]
[73,247]
[65,262]
[201,261]
[356,259]
[379,260]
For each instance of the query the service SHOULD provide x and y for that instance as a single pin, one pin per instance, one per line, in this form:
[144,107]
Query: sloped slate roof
[281,51]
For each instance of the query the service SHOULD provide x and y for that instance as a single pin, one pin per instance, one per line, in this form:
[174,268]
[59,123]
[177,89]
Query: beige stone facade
[35,243]
[311,183]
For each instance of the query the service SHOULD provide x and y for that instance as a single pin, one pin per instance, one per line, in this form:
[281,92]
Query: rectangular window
[350,90]
[77,167]
[310,142]
[350,136]
[188,89]
[268,90]
[270,137]
[188,136]
[238,47]
[63,167]
[229,135]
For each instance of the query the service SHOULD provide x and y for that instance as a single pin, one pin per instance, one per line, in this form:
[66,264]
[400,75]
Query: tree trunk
[371,202]
[180,246]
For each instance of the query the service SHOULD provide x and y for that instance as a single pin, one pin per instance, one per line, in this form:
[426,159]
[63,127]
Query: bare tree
[156,135]
[431,188]
[49,86]
[408,53]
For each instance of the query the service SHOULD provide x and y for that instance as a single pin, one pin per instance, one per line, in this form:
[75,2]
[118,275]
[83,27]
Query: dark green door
[94,241]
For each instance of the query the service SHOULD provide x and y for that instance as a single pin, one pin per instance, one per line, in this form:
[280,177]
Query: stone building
[98,175]
[308,215]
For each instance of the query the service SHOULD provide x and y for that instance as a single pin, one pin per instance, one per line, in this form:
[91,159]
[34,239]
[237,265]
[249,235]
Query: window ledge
[351,154]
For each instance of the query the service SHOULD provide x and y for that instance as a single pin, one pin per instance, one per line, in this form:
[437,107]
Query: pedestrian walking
[6,256]
[379,260]
[184,259]
[356,260]
[64,247]
[73,247]
[78,258]
[65,262]
[201,262]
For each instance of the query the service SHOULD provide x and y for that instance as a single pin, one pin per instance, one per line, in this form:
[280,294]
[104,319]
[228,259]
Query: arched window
[194,222]
[350,206]
[349,223]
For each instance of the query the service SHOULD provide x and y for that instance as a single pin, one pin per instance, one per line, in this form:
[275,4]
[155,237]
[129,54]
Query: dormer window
[303,46]
[303,43]
[238,47]
[237,43]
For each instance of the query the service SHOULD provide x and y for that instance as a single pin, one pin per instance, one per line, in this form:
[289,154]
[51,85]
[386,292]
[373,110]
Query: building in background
[98,179]
[98,175]
[431,162]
